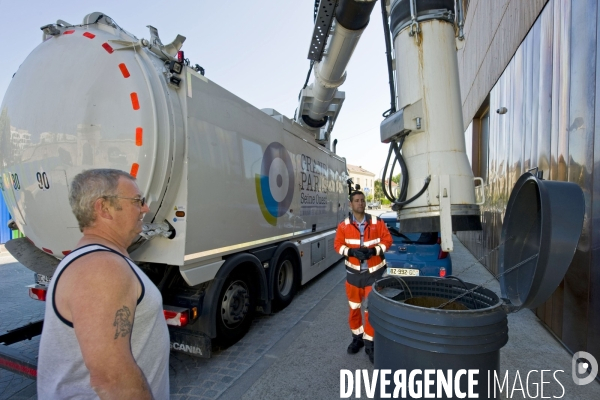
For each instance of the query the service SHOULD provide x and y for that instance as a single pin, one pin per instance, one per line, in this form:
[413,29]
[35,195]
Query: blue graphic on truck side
[275,183]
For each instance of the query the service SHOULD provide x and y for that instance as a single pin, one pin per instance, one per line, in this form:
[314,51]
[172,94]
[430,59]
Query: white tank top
[62,373]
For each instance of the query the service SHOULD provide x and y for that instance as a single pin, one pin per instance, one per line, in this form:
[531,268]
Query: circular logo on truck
[275,184]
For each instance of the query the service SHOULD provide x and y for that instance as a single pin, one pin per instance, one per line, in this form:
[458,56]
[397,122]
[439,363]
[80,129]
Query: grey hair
[90,185]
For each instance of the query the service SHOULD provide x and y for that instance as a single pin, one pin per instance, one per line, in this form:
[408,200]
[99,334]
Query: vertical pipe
[388,53]
[429,96]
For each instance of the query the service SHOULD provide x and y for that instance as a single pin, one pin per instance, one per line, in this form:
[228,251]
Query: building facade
[530,89]
[362,177]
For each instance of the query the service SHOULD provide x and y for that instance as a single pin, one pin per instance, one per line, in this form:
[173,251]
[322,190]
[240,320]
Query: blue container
[5,233]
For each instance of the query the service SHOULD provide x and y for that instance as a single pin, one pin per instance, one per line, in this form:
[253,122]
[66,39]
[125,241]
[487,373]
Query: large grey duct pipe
[351,18]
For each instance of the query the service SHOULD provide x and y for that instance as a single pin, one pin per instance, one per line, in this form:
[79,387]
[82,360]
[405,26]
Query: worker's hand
[367,253]
[358,253]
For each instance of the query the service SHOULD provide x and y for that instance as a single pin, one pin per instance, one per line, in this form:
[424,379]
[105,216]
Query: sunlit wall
[549,90]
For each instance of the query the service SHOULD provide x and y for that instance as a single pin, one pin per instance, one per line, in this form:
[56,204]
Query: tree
[396,179]
[378,191]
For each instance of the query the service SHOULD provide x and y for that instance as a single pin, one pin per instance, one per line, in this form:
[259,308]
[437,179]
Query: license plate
[403,271]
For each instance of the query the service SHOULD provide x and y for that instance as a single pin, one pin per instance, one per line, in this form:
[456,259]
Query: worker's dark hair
[355,193]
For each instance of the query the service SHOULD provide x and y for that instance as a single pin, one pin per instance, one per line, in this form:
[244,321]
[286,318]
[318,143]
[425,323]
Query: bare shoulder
[104,265]
[105,273]
[99,298]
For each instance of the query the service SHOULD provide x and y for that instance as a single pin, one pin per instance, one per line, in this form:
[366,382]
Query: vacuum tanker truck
[243,202]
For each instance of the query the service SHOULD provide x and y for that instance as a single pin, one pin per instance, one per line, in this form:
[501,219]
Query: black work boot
[356,345]
[370,350]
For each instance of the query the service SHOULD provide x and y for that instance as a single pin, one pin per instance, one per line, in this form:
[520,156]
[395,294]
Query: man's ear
[102,208]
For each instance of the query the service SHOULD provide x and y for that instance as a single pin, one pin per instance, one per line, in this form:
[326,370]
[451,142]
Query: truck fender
[273,262]
[208,317]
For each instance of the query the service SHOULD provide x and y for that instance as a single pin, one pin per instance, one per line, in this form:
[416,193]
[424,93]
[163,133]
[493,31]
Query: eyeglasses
[142,200]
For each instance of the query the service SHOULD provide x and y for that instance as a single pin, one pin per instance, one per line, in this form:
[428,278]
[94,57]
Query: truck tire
[285,281]
[236,306]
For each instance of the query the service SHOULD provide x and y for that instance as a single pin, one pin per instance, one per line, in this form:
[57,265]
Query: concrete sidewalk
[306,362]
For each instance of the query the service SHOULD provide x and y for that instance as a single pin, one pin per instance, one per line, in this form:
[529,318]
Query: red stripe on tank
[107,48]
[139,132]
[124,70]
[135,101]
[134,169]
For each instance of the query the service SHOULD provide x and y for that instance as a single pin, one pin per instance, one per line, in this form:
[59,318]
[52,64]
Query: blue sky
[256,49]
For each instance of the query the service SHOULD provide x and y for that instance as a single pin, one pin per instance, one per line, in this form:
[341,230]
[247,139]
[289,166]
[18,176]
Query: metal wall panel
[493,30]
[562,50]
[580,164]
[535,83]
[518,150]
[550,89]
[593,328]
[544,116]
[528,83]
[545,120]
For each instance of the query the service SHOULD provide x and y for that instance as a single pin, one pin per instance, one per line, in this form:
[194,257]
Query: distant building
[362,177]
[19,138]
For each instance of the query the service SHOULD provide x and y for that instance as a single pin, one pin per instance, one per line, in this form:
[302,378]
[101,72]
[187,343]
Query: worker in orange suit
[362,239]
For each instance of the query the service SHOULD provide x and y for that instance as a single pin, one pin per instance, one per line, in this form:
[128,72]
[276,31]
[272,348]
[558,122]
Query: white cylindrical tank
[429,96]
[78,102]
[225,176]
[428,71]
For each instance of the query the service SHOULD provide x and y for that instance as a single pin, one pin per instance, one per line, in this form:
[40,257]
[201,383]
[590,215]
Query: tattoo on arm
[122,322]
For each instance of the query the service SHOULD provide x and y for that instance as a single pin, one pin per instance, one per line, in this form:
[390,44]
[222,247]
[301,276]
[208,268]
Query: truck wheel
[236,306]
[284,281]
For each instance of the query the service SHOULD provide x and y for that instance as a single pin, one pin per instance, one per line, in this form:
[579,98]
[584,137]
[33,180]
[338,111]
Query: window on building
[469,143]
[480,137]
[484,145]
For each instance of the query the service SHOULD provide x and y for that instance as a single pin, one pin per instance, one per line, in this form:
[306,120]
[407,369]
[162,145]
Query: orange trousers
[356,297]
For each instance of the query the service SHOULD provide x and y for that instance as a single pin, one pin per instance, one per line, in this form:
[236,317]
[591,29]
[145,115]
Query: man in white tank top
[104,332]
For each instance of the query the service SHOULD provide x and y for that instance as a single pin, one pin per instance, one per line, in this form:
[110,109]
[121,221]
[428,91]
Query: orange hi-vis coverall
[359,279]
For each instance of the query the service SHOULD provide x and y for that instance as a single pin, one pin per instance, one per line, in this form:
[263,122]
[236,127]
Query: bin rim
[467,313]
